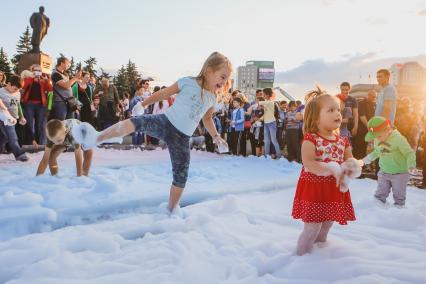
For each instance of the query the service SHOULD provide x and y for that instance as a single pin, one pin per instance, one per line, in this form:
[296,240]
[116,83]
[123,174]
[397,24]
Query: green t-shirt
[395,154]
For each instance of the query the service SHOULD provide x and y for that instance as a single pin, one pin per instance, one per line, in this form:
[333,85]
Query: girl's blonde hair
[215,61]
[311,117]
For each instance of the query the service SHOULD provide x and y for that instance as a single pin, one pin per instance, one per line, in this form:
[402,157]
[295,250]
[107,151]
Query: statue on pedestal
[40,24]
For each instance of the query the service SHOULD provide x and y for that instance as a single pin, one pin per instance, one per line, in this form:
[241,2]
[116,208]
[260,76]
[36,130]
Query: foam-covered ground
[234,226]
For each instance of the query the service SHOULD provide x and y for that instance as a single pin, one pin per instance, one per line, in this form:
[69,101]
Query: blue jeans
[270,135]
[36,119]
[137,138]
[160,127]
[8,135]
[60,111]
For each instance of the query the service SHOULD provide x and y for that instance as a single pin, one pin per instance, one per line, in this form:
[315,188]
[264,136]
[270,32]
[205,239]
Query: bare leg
[53,163]
[175,194]
[325,228]
[119,129]
[308,237]
[87,161]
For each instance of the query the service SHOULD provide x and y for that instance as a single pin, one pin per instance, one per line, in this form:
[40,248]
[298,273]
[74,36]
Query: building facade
[408,74]
[255,75]
[408,78]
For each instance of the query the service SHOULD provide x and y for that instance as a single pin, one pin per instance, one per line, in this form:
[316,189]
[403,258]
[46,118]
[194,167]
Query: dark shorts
[160,127]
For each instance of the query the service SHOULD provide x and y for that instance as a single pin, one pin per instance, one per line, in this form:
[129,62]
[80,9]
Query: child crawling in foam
[59,139]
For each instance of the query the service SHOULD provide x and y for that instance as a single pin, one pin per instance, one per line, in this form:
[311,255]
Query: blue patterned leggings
[160,127]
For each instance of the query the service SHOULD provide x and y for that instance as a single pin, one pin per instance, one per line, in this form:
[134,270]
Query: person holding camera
[34,101]
[64,103]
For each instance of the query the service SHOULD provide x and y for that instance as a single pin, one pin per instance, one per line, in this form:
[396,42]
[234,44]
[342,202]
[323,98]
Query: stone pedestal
[44,60]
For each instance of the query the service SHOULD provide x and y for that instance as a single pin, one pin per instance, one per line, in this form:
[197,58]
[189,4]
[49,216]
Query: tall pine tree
[121,81]
[4,62]
[78,66]
[132,75]
[23,46]
[105,74]
[72,68]
[126,78]
[91,65]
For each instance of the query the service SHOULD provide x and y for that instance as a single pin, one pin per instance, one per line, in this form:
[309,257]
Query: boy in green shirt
[396,159]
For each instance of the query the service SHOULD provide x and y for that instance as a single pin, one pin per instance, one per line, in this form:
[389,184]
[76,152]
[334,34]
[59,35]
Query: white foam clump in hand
[332,168]
[7,118]
[86,135]
[223,147]
[352,168]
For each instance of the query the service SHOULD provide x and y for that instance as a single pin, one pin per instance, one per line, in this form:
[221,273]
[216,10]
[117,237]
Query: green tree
[4,62]
[132,75]
[23,46]
[105,74]
[78,66]
[121,81]
[126,78]
[91,66]
[72,68]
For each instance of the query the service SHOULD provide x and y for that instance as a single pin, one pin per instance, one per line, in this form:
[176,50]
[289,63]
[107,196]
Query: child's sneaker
[380,203]
[22,158]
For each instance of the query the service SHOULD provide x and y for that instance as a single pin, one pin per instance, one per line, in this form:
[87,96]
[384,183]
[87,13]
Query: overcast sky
[310,40]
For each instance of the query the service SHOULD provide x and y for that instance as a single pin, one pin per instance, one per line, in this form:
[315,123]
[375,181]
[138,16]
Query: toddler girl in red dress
[322,195]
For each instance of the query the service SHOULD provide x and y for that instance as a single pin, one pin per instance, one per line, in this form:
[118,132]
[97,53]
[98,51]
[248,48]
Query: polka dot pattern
[317,212]
[317,198]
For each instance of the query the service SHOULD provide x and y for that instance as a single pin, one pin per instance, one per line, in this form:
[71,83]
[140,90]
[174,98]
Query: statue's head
[41,9]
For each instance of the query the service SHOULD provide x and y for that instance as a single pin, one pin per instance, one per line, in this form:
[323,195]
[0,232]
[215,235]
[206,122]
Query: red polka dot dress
[317,198]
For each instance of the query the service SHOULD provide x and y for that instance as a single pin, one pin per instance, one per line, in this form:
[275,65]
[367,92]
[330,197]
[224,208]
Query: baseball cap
[376,125]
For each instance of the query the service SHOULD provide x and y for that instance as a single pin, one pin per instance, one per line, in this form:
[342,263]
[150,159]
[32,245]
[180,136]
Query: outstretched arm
[160,95]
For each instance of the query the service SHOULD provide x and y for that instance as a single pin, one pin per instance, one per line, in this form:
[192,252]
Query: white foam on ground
[234,225]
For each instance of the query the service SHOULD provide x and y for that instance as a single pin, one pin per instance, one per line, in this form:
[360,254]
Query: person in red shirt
[34,101]
[351,103]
